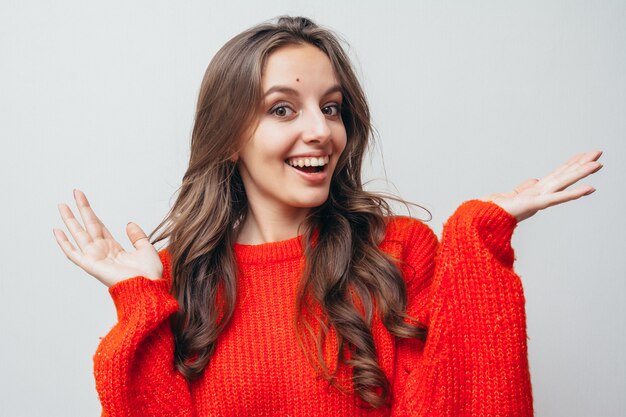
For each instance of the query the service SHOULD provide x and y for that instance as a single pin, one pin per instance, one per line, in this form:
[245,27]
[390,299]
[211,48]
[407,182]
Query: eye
[332,110]
[282,110]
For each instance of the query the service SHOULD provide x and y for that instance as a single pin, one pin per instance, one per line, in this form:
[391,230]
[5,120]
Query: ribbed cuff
[143,296]
[493,225]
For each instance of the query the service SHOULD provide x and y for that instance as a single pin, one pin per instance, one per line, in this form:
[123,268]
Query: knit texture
[473,363]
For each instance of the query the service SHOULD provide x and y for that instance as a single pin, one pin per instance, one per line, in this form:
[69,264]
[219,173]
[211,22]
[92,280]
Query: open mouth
[309,170]
[310,165]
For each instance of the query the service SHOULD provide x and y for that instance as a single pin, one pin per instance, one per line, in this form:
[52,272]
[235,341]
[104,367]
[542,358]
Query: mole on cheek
[297,79]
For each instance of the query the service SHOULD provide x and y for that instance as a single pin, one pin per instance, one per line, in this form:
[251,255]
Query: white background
[468,97]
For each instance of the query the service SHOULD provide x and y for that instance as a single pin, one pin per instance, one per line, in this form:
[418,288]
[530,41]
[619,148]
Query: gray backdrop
[468,97]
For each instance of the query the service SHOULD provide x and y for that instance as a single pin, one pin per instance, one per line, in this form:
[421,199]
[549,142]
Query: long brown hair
[346,273]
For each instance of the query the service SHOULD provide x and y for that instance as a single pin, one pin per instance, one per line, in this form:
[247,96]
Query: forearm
[134,363]
[474,361]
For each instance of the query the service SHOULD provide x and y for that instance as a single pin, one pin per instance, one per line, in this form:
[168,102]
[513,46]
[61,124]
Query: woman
[285,288]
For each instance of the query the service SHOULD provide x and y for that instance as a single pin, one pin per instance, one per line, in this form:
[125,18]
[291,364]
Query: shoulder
[407,234]
[411,243]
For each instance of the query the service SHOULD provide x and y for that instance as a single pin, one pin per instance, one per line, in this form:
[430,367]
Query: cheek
[274,141]
[263,148]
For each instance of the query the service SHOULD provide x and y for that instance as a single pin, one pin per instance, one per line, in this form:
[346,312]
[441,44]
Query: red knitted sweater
[474,362]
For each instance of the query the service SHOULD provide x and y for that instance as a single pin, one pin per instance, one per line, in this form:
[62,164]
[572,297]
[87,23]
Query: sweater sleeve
[474,361]
[134,363]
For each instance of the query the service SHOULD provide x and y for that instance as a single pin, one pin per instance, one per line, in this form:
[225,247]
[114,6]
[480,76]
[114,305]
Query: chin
[313,201]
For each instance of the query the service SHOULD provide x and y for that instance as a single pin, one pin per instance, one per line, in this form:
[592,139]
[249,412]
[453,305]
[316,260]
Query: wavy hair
[346,273]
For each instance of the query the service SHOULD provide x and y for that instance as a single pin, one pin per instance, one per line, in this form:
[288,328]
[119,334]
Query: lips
[313,175]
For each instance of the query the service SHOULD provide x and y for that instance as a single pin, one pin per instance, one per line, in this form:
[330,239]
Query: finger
[79,234]
[574,159]
[583,159]
[572,176]
[66,246]
[552,199]
[137,236]
[94,226]
[591,156]
[572,164]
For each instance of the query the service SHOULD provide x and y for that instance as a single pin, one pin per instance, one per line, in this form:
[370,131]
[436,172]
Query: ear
[234,158]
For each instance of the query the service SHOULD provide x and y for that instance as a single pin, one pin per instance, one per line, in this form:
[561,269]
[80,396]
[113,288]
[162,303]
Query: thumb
[137,236]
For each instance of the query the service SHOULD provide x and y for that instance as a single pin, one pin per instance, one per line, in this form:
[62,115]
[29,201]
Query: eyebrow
[288,90]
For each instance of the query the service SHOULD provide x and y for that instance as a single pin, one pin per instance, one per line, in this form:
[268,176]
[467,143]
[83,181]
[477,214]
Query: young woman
[285,288]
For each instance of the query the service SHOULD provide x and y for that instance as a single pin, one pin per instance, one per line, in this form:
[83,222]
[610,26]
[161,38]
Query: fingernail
[590,191]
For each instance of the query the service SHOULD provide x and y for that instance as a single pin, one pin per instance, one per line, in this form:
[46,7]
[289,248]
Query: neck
[264,225]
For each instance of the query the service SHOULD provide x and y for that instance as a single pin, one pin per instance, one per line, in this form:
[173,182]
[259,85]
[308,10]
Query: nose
[315,127]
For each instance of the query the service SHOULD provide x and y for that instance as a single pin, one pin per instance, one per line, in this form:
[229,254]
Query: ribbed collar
[269,252]
[274,251]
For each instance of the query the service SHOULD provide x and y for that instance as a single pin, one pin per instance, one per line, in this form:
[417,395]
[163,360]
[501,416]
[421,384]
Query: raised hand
[533,195]
[99,254]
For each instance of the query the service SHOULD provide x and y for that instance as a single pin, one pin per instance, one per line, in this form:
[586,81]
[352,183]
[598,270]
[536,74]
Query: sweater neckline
[269,252]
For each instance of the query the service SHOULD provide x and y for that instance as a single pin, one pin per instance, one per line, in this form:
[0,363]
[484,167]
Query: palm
[107,258]
[537,194]
[99,254]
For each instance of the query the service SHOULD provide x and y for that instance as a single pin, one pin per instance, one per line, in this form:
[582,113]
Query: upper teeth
[308,162]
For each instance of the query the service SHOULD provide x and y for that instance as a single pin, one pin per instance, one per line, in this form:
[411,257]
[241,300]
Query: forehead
[303,65]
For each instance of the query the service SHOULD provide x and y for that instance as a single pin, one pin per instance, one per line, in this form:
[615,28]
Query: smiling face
[287,163]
